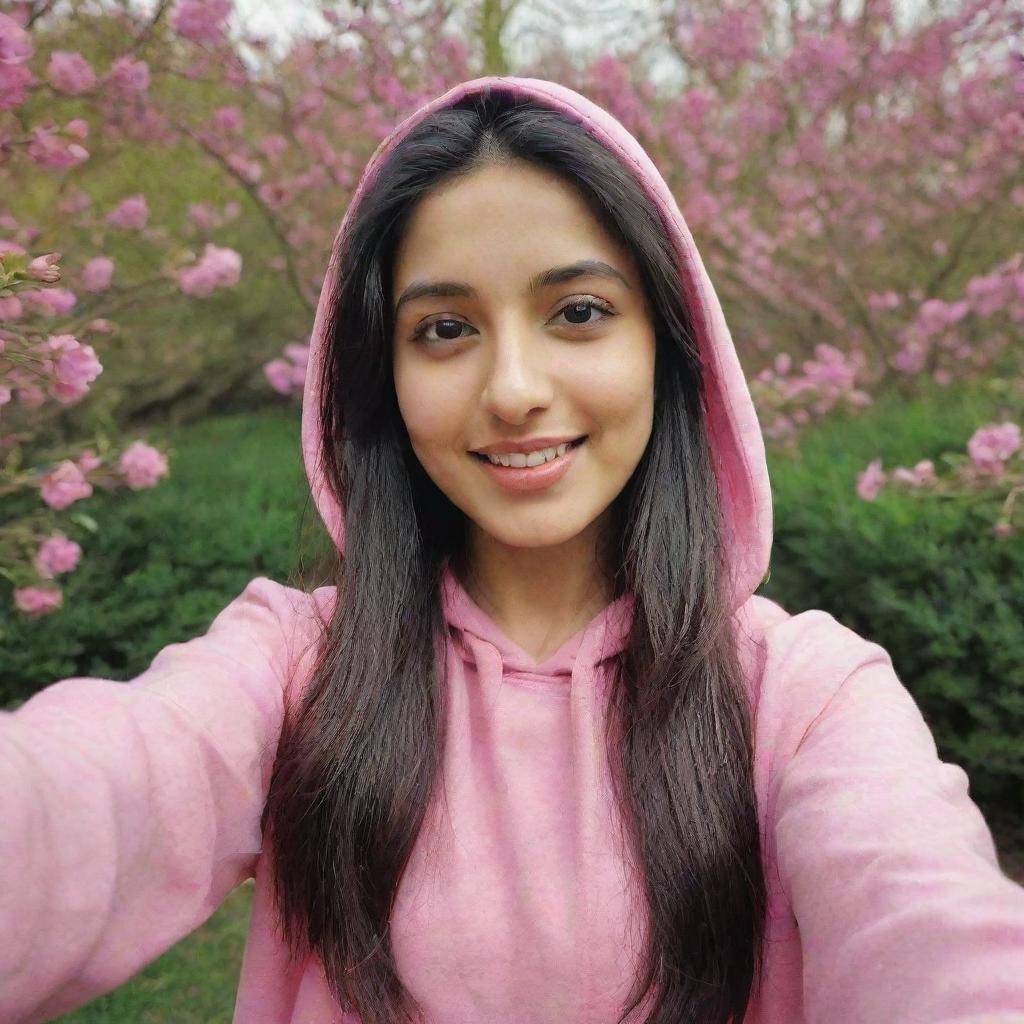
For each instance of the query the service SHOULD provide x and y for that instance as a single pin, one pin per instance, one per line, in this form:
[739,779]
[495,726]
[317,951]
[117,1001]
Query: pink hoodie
[131,810]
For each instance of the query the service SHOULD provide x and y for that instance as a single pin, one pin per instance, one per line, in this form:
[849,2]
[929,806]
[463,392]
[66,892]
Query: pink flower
[36,601]
[45,268]
[870,482]
[70,73]
[50,301]
[203,216]
[5,394]
[127,76]
[227,119]
[922,473]
[14,82]
[279,374]
[48,149]
[201,21]
[64,485]
[991,445]
[218,268]
[15,44]
[131,213]
[57,555]
[141,465]
[10,308]
[88,461]
[97,273]
[74,370]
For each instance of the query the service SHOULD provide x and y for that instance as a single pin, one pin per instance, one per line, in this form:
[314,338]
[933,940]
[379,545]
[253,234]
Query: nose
[518,380]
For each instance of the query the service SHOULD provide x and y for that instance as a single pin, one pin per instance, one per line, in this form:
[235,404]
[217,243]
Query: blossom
[201,21]
[37,601]
[57,555]
[76,368]
[227,119]
[142,465]
[88,460]
[128,75]
[45,268]
[97,273]
[63,485]
[922,473]
[49,149]
[70,73]
[131,213]
[218,268]
[279,374]
[50,301]
[992,445]
[15,44]
[14,83]
[870,482]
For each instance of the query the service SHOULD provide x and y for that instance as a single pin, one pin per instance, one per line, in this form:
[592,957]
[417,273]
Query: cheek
[618,390]
[431,407]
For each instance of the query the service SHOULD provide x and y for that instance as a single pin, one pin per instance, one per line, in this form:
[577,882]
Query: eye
[579,307]
[451,331]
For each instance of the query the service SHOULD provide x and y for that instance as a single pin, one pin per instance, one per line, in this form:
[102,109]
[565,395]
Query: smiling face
[510,359]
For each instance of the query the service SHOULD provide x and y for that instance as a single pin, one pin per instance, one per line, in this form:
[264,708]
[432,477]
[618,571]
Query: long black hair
[359,754]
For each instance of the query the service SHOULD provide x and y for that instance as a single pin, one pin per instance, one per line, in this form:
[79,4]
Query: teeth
[520,460]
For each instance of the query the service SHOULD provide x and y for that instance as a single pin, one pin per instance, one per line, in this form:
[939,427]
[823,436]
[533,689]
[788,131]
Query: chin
[525,531]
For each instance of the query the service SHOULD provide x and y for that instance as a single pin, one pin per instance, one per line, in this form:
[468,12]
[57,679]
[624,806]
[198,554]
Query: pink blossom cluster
[70,73]
[15,51]
[788,399]
[131,213]
[217,268]
[994,461]
[288,375]
[949,338]
[201,21]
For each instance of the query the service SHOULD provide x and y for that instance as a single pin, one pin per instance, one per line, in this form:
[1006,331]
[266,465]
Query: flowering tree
[846,176]
[43,357]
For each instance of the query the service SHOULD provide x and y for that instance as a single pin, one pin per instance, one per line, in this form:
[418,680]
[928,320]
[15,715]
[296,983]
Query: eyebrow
[545,279]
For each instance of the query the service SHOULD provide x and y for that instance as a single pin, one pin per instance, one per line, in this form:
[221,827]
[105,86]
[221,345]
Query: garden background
[171,177]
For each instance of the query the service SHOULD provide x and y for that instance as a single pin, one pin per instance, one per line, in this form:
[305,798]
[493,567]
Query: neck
[539,597]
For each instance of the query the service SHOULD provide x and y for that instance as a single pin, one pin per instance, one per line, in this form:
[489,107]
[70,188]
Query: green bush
[166,560]
[923,577]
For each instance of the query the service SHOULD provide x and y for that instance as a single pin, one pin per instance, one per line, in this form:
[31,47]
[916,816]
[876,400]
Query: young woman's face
[499,357]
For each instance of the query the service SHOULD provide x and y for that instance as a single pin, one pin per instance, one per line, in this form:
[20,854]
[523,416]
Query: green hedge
[923,578]
[166,560]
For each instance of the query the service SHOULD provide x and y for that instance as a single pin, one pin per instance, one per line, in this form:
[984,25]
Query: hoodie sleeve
[131,810]
[903,911]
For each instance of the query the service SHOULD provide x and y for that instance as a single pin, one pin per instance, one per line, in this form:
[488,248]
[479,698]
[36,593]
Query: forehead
[502,220]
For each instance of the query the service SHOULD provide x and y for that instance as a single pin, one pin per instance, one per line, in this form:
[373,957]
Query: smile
[530,471]
[522,460]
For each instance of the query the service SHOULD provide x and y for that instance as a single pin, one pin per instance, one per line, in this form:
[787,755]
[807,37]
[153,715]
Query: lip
[530,478]
[529,444]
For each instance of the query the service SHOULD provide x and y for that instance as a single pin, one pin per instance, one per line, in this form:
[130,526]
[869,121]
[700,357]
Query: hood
[733,428]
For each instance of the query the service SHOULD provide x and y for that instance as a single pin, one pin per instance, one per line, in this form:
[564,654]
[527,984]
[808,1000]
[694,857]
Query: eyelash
[421,330]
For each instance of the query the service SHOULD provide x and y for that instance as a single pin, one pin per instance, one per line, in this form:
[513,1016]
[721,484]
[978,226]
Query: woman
[540,755]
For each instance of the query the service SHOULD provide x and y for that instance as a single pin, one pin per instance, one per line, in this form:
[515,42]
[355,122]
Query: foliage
[163,564]
[923,578]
